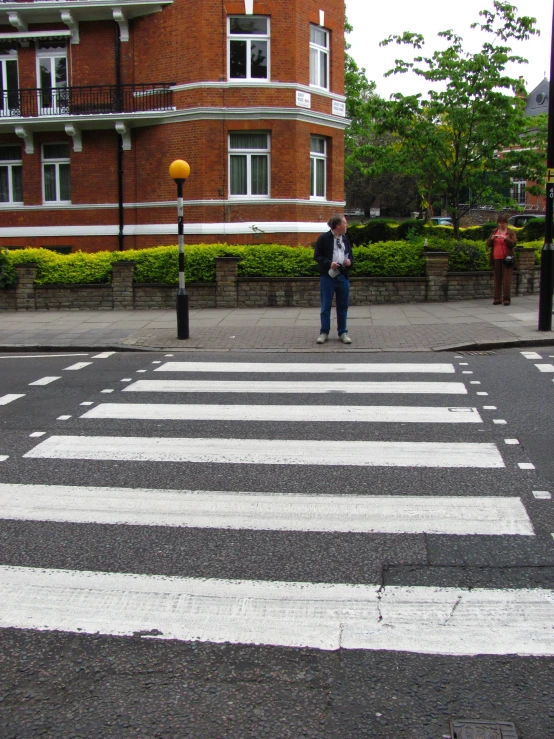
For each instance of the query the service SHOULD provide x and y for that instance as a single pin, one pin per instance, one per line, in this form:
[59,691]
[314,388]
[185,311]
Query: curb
[472,346]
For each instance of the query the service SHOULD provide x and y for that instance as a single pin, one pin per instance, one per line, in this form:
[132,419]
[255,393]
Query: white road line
[526,466]
[37,434]
[62,418]
[4,457]
[545,367]
[307,413]
[270,451]
[429,620]
[319,368]
[531,355]
[542,495]
[45,381]
[512,442]
[103,355]
[323,388]
[77,366]
[41,356]
[5,399]
[464,516]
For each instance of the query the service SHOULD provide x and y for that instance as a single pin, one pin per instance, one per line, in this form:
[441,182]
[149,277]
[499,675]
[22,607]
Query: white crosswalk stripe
[270,451]
[327,388]
[299,413]
[469,515]
[430,619]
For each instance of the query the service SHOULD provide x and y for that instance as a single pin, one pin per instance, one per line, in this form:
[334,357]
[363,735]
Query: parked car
[522,218]
[441,221]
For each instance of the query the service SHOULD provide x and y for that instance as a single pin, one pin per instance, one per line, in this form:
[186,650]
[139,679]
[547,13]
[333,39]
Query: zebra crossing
[321,615]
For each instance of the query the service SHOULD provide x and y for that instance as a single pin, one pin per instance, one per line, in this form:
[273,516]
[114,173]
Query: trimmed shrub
[533,230]
[478,233]
[375,230]
[8,275]
[389,259]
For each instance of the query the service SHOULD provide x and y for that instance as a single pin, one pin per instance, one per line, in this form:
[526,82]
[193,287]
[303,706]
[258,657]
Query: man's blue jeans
[328,286]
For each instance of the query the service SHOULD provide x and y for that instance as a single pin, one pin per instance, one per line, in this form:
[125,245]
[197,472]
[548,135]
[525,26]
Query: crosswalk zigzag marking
[451,515]
[270,451]
[449,621]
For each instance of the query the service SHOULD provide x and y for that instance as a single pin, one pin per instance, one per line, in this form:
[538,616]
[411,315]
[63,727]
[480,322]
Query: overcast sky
[374,21]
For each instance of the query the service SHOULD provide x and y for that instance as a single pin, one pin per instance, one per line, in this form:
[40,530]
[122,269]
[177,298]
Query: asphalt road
[67,684]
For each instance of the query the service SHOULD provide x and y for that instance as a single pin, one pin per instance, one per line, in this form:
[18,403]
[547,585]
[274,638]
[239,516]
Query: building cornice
[258,85]
[7,208]
[158,118]
[166,229]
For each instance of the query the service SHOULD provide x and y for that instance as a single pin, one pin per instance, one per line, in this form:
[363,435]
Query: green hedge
[160,264]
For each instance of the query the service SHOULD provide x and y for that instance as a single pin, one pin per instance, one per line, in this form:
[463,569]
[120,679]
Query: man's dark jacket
[323,253]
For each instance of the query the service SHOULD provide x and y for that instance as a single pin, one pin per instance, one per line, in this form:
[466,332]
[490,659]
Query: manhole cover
[482,730]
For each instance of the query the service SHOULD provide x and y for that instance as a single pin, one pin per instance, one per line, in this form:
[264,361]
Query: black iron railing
[90,100]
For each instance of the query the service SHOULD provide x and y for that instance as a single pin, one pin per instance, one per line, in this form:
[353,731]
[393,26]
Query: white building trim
[170,204]
[167,229]
[256,84]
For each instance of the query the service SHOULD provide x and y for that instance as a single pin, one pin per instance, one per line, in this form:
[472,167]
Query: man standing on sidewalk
[333,253]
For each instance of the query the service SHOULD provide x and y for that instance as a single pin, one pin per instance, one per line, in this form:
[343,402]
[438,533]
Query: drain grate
[482,730]
[478,354]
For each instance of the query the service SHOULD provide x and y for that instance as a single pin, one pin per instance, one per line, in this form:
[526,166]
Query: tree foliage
[468,136]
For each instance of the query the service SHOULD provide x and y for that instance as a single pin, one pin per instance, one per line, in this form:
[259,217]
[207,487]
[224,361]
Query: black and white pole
[179,170]
[547,256]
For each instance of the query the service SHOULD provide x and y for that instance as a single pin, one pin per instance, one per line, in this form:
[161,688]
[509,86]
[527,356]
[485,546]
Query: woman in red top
[501,242]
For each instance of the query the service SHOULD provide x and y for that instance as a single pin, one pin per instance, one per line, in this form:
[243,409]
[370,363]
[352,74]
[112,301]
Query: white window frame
[314,158]
[58,107]
[9,164]
[249,153]
[9,56]
[518,191]
[56,161]
[249,38]
[320,50]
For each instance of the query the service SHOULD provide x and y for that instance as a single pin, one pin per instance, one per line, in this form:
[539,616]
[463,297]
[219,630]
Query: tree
[363,185]
[469,135]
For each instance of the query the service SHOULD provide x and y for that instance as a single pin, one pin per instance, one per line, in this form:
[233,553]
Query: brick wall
[230,291]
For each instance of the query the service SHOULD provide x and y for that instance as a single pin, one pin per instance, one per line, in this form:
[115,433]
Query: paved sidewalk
[475,324]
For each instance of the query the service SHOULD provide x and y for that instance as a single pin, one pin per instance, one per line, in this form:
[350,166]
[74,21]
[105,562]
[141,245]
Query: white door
[52,74]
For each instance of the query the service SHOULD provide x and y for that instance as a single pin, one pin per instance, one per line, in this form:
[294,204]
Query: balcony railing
[90,100]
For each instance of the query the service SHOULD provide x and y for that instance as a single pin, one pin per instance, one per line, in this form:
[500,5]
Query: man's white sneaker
[345,339]
[322,338]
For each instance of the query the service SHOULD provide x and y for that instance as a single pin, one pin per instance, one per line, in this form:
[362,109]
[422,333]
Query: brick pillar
[525,264]
[226,269]
[25,290]
[436,269]
[122,285]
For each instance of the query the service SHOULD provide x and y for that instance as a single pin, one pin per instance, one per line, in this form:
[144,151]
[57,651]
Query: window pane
[17,184]
[320,178]
[322,69]
[314,55]
[317,36]
[56,151]
[45,83]
[248,26]
[49,182]
[312,177]
[10,153]
[317,145]
[65,182]
[11,74]
[258,56]
[238,175]
[248,141]
[259,175]
[4,188]
[61,71]
[238,59]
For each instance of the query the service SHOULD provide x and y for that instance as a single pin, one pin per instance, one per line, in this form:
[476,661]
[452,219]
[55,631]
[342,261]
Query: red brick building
[99,98]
